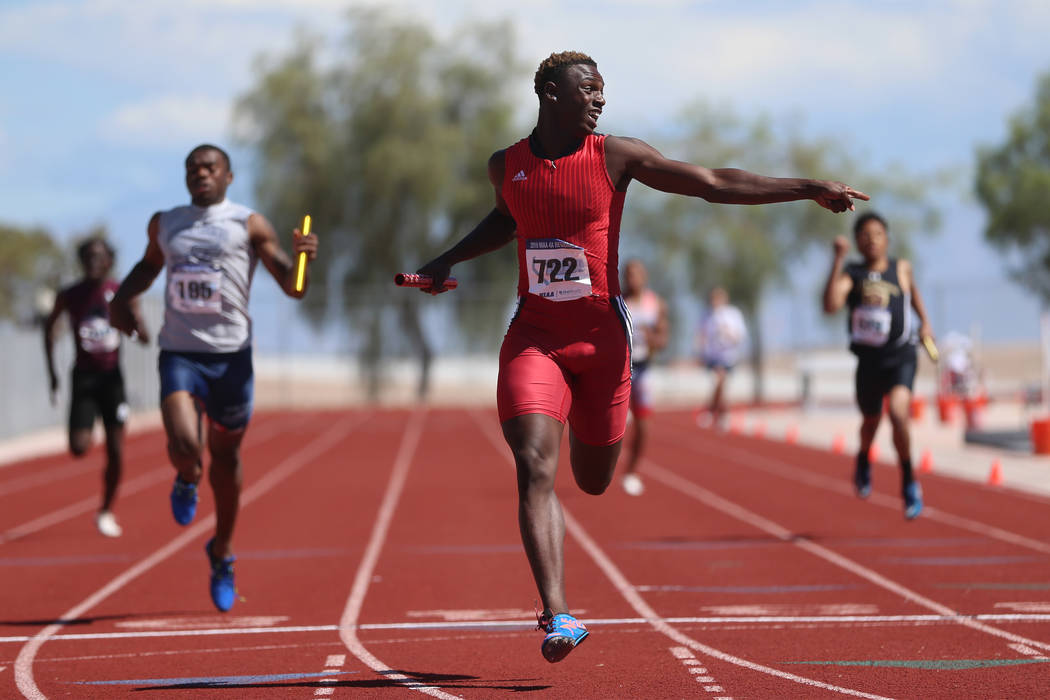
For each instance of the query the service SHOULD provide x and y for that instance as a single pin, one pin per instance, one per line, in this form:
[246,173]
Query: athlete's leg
[534,440]
[114,464]
[593,465]
[224,474]
[718,404]
[637,431]
[182,426]
[900,403]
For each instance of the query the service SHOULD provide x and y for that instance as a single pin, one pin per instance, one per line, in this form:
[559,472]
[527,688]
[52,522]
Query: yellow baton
[931,349]
[300,273]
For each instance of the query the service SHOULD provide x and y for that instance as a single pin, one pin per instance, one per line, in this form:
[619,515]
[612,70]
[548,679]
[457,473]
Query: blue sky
[101,99]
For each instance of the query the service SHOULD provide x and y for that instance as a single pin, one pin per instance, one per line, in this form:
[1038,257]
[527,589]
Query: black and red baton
[408,279]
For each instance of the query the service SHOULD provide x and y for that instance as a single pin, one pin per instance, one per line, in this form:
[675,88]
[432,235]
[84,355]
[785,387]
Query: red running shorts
[570,360]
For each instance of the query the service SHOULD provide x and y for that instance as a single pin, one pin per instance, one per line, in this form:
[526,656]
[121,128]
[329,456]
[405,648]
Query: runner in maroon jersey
[96,381]
[566,355]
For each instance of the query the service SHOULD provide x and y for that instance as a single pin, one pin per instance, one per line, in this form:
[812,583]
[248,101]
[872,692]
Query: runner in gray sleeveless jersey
[208,250]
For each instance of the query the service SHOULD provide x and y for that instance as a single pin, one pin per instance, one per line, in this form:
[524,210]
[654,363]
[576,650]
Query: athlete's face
[207,177]
[872,240]
[581,98]
[96,261]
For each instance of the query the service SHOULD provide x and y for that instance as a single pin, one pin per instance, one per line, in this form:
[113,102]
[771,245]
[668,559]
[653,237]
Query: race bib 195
[195,290]
[557,270]
[870,325]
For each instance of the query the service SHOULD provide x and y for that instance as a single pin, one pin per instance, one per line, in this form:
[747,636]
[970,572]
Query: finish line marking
[529,625]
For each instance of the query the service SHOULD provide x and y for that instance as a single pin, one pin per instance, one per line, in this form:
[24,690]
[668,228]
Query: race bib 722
[557,270]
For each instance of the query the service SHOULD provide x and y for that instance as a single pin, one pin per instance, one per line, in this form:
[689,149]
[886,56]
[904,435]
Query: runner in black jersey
[881,295]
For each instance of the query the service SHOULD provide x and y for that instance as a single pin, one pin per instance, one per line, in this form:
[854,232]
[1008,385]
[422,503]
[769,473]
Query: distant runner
[722,337]
[96,383]
[881,294]
[651,333]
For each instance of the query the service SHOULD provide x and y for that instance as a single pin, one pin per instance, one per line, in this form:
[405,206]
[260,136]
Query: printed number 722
[548,270]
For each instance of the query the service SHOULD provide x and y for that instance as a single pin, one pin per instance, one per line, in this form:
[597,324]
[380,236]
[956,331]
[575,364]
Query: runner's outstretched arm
[630,158]
[123,314]
[492,233]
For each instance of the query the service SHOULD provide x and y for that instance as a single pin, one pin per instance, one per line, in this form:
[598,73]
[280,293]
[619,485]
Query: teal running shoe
[912,500]
[183,501]
[564,633]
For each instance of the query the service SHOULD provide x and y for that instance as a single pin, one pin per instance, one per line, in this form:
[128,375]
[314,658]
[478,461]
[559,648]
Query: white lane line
[326,441]
[699,493]
[525,625]
[631,595]
[694,667]
[90,504]
[1027,651]
[785,470]
[331,661]
[86,505]
[351,613]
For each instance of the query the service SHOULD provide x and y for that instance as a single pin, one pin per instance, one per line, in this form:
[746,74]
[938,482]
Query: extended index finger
[857,194]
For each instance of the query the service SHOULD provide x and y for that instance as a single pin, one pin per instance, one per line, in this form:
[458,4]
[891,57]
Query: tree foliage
[30,262]
[385,143]
[1013,185]
[749,249]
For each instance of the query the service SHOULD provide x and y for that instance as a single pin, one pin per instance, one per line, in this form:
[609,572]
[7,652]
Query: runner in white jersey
[651,333]
[723,334]
[209,250]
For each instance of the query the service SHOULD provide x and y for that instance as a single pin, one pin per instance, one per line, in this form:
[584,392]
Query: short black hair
[210,147]
[865,218]
[553,67]
[85,246]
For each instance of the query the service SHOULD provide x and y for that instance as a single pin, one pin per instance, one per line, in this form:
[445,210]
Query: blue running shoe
[223,590]
[912,500]
[183,501]
[862,477]
[564,633]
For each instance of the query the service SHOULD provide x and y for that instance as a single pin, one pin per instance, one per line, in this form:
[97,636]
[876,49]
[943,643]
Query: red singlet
[567,351]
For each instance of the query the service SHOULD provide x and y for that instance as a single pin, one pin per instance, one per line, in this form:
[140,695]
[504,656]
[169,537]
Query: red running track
[379,557]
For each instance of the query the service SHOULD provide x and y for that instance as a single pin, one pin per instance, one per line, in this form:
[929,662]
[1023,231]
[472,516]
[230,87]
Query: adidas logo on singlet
[519,177]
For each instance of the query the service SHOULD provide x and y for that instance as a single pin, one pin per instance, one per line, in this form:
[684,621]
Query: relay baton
[407,279]
[300,273]
[931,349]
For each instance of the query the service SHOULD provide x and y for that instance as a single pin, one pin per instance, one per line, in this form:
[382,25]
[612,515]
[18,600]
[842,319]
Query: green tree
[1013,185]
[386,146]
[749,249]
[30,262]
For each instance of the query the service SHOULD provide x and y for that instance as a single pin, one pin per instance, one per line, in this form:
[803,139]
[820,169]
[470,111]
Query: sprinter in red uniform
[566,355]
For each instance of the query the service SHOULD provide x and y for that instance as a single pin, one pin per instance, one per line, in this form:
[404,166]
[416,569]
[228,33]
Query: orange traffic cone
[926,463]
[759,429]
[838,445]
[791,435]
[873,453]
[995,477]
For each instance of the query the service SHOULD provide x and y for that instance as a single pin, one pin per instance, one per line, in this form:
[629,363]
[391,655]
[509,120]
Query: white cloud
[168,118]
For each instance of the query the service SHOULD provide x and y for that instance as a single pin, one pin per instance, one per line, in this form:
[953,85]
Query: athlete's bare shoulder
[623,154]
[497,163]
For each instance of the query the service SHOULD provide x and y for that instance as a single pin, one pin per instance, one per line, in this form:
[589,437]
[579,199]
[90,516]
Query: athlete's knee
[536,469]
[79,442]
[184,449]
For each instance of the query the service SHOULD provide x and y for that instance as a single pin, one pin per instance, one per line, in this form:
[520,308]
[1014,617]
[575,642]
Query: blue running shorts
[222,382]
